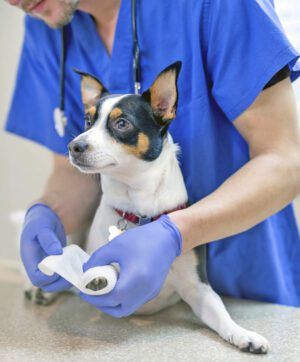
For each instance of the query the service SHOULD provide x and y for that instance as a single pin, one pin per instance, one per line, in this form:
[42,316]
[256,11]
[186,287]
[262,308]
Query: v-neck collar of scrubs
[115,68]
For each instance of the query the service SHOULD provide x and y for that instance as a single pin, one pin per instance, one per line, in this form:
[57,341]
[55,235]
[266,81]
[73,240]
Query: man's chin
[54,23]
[57,17]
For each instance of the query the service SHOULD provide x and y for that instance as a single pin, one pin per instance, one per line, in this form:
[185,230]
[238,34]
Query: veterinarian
[236,124]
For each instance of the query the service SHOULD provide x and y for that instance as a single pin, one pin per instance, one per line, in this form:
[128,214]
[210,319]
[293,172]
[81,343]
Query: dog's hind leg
[166,298]
[208,306]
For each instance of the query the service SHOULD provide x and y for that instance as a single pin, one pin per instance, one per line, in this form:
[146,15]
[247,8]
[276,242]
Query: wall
[24,166]
[20,182]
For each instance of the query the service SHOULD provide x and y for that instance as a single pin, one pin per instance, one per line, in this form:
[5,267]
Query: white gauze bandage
[69,266]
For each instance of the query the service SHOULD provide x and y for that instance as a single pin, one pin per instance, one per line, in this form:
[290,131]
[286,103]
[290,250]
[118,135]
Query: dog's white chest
[114,231]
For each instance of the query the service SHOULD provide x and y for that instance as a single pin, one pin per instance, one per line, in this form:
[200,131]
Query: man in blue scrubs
[236,124]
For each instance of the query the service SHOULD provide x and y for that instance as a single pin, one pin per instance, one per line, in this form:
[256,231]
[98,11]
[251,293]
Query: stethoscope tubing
[136,50]
[136,58]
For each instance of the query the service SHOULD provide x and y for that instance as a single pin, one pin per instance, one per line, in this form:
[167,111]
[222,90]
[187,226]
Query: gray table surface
[71,330]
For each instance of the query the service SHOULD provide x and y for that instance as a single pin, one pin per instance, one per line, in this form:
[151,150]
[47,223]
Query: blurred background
[25,166]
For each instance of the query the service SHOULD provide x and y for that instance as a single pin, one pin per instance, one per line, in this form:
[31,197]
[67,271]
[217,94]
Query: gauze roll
[69,266]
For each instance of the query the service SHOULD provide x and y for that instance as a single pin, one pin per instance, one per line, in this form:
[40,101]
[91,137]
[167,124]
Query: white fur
[150,188]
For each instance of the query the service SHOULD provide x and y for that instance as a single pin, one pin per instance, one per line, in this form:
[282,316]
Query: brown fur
[92,111]
[91,91]
[142,145]
[115,113]
[164,95]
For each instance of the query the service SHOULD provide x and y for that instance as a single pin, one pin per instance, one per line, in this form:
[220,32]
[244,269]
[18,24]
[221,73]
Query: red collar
[141,220]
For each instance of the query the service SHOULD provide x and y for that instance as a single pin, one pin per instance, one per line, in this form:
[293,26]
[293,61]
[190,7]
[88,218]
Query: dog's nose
[78,147]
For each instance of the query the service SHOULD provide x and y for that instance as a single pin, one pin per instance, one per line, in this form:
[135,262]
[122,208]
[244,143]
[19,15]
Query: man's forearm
[263,186]
[72,195]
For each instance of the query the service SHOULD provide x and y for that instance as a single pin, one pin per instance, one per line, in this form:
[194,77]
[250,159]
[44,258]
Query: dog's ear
[91,89]
[163,94]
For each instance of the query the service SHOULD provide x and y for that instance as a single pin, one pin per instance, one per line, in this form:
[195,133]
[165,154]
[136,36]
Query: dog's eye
[88,121]
[122,124]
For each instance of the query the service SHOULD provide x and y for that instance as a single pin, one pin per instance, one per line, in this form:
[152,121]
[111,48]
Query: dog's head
[124,129]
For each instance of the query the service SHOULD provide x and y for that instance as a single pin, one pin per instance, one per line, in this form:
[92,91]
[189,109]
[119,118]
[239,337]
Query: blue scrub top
[230,49]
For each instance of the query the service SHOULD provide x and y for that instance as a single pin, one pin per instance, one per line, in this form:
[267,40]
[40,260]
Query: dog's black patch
[139,114]
[201,252]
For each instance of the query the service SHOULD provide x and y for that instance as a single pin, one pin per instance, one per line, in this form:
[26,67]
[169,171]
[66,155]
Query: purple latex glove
[42,235]
[145,255]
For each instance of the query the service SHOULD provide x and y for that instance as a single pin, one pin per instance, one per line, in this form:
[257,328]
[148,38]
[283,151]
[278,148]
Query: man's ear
[91,89]
[163,94]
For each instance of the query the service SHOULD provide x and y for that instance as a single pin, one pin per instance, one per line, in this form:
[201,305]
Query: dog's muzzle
[77,148]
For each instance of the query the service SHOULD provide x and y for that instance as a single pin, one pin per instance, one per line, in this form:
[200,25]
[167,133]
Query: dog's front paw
[38,296]
[248,341]
[97,284]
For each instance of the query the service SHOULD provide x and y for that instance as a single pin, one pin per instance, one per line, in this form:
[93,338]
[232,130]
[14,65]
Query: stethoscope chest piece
[59,117]
[60,121]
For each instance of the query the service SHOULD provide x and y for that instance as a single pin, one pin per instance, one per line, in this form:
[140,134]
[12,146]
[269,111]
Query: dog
[126,140]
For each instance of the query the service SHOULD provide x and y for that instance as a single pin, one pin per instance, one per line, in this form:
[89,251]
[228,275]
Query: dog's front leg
[208,306]
[37,295]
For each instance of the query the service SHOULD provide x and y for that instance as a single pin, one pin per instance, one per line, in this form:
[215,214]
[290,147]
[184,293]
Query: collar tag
[142,220]
[122,222]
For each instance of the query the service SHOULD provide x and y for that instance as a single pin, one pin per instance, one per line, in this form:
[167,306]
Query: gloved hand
[43,234]
[145,255]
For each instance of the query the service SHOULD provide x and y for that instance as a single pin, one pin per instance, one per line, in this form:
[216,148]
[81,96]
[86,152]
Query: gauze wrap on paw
[69,266]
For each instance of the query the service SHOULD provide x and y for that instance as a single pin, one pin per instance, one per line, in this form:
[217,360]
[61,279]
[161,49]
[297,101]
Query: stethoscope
[60,119]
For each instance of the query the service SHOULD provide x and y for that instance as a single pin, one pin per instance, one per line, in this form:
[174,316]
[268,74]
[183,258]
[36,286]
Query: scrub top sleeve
[246,46]
[36,92]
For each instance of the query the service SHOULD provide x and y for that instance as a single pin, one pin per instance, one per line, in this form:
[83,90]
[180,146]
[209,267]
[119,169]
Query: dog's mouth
[84,166]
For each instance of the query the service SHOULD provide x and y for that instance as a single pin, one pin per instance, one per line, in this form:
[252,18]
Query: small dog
[127,141]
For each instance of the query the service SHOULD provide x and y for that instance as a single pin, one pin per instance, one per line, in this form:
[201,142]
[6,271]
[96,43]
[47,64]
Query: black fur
[139,113]
[201,253]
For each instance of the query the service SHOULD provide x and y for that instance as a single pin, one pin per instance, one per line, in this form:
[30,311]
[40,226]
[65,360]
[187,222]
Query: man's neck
[105,14]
